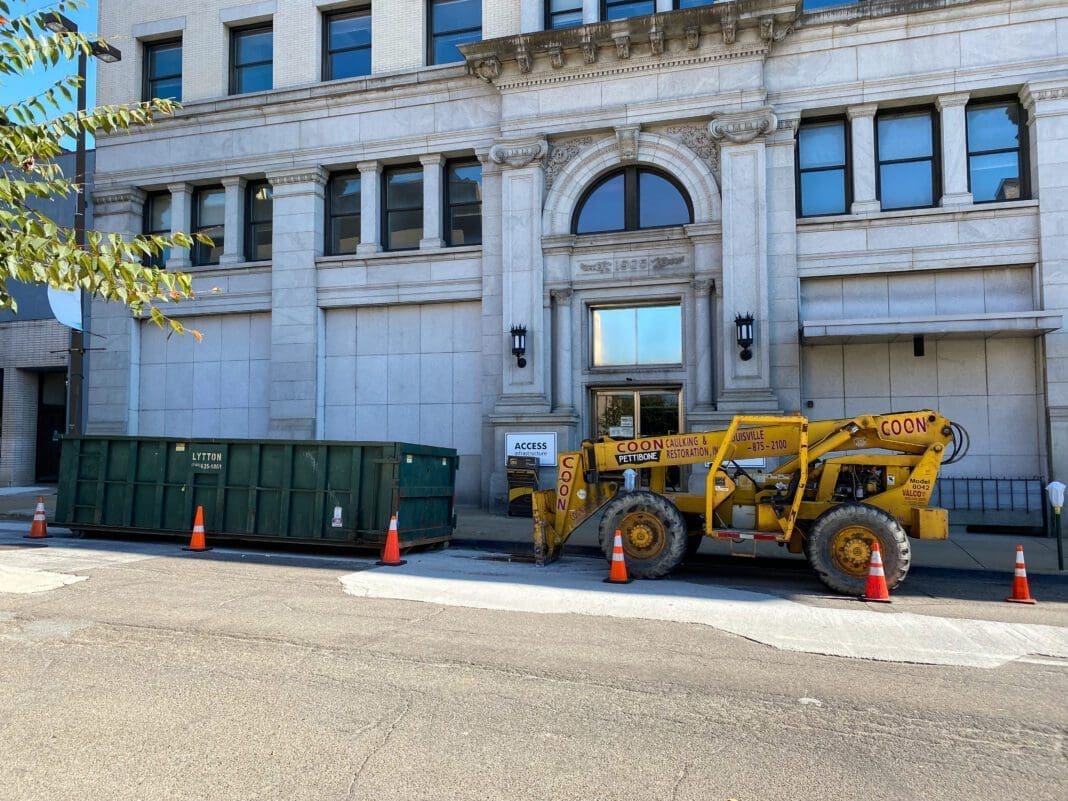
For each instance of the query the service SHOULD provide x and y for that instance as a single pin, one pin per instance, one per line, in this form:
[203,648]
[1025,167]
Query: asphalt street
[253,675]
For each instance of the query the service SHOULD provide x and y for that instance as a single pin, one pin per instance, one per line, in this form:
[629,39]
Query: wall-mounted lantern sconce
[519,344]
[743,323]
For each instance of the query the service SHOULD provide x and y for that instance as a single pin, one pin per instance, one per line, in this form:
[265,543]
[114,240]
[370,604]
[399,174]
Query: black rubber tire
[693,545]
[643,506]
[893,544]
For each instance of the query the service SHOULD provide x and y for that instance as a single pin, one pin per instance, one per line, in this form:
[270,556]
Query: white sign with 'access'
[539,444]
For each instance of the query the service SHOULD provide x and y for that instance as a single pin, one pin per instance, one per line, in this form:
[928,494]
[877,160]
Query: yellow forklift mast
[837,486]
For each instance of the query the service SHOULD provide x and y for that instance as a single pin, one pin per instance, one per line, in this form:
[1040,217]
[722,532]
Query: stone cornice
[519,153]
[104,199]
[742,28]
[742,127]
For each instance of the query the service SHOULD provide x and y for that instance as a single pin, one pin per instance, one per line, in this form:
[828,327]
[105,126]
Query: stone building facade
[882,186]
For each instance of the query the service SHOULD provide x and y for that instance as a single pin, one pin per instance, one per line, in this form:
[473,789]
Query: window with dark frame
[636,335]
[631,199]
[996,153]
[822,171]
[343,199]
[209,219]
[562,14]
[347,43]
[622,9]
[451,23]
[251,59]
[692,3]
[906,154]
[157,222]
[163,70]
[402,207]
[259,220]
[463,202]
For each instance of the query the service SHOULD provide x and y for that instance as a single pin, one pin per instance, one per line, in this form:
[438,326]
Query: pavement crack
[374,751]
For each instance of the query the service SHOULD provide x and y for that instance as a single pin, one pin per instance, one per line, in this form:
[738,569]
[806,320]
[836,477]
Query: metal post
[76,356]
[1060,541]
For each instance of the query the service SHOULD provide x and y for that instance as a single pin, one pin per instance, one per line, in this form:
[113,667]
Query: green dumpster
[340,493]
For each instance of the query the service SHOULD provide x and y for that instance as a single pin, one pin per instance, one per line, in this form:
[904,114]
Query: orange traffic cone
[39,526]
[196,542]
[1021,593]
[876,589]
[617,571]
[391,550]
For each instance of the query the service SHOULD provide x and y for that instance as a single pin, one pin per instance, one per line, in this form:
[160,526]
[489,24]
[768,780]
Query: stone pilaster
[370,203]
[234,222]
[954,149]
[563,355]
[703,343]
[862,136]
[433,199]
[522,188]
[1046,103]
[743,169]
[181,221]
[295,324]
[112,370]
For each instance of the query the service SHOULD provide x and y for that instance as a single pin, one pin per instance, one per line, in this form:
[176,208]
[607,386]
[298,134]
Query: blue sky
[14,89]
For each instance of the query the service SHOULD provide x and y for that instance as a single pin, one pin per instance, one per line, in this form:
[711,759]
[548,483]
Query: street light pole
[58,23]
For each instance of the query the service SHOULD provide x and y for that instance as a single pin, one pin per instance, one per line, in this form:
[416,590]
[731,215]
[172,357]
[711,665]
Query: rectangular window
[637,335]
[259,227]
[995,157]
[343,213]
[463,203]
[905,144]
[621,9]
[346,44]
[692,3]
[402,218]
[163,70]
[251,59]
[157,222]
[452,23]
[822,177]
[209,216]
[562,14]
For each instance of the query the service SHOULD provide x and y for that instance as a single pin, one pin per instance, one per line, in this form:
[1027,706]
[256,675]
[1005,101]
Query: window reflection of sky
[638,335]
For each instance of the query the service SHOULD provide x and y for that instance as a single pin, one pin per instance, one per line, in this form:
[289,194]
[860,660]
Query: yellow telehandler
[837,487]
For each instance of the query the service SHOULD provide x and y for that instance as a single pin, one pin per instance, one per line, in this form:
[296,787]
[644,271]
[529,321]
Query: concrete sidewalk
[963,551]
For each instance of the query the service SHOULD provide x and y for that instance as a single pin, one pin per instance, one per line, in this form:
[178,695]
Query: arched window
[631,199]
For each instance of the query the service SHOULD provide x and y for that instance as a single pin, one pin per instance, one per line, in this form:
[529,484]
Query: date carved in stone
[560,153]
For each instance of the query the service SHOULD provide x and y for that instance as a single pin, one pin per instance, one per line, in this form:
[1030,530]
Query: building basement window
[995,156]
[823,186]
[631,199]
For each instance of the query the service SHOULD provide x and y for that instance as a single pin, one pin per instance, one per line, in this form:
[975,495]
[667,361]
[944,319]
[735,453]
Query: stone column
[954,149]
[370,199]
[181,221]
[591,11]
[298,239]
[433,199]
[234,221]
[743,167]
[563,390]
[1046,103]
[702,328]
[522,189]
[862,135]
[112,374]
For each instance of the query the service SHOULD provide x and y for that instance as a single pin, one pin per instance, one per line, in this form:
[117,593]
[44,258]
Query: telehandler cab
[837,487]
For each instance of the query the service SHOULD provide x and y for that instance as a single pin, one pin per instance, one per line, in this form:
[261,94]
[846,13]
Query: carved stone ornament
[589,49]
[703,286]
[488,69]
[627,141]
[742,127]
[730,31]
[556,56]
[524,60]
[622,45]
[693,37]
[519,154]
[562,297]
[112,198]
[560,153]
[767,28]
[699,140]
[656,41]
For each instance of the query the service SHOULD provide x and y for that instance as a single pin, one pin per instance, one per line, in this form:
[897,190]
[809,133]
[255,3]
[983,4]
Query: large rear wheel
[652,529]
[839,547]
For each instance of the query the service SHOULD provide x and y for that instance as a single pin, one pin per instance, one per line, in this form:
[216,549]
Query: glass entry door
[648,412]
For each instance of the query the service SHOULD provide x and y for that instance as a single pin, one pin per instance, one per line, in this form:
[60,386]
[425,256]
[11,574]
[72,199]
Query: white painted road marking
[574,586]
